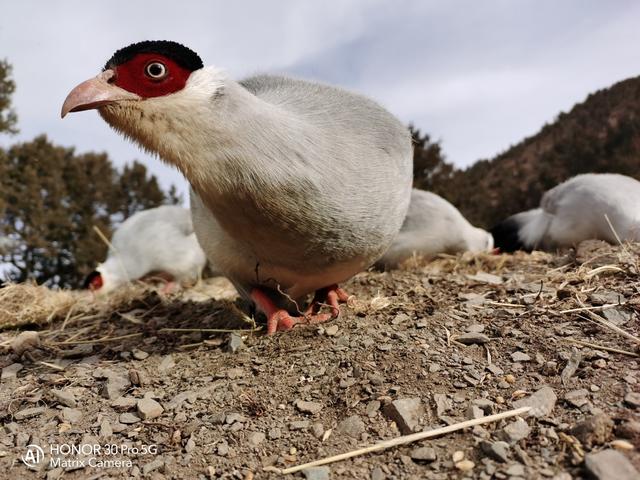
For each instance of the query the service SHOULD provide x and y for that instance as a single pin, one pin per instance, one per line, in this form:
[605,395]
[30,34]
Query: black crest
[180,54]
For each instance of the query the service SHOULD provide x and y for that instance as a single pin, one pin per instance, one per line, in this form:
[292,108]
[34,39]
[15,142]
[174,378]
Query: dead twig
[402,440]
[601,347]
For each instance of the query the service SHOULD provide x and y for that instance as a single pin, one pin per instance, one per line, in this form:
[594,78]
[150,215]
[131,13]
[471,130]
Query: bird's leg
[279,319]
[331,296]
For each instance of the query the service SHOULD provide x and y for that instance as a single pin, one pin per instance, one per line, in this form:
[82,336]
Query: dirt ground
[146,385]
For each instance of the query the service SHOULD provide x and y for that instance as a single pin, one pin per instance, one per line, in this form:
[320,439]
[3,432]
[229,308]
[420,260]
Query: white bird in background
[296,186]
[574,211]
[155,243]
[434,226]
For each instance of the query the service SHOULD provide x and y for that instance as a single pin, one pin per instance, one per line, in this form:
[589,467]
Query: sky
[477,76]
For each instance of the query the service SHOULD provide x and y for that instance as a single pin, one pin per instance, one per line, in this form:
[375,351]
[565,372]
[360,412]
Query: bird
[433,226]
[599,206]
[296,185]
[157,243]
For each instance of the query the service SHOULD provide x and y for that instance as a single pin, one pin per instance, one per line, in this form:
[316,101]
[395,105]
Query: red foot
[331,296]
[279,319]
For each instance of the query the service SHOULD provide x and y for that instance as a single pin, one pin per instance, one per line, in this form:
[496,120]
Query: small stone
[256,438]
[190,445]
[475,328]
[27,340]
[166,364]
[65,397]
[148,408]
[474,412]
[105,428]
[516,431]
[317,429]
[600,363]
[406,412]
[235,343]
[153,465]
[443,403]
[223,449]
[274,433]
[577,398]
[510,379]
[471,338]
[124,403]
[331,330]
[317,473]
[299,425]
[352,426]
[541,402]
[423,454]
[71,415]
[309,407]
[10,371]
[372,408]
[610,465]
[400,318]
[594,430]
[632,399]
[571,367]
[520,357]
[28,413]
[128,418]
[377,474]
[465,465]
[496,450]
[139,354]
[516,470]
[115,385]
[457,456]
[234,417]
[629,429]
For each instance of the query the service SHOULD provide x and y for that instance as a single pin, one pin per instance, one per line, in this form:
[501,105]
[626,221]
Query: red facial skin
[96,283]
[143,75]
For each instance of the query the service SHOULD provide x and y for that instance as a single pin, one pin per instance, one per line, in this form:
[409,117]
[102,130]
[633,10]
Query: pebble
[65,397]
[128,418]
[475,328]
[632,399]
[474,412]
[256,438]
[124,403]
[317,429]
[28,413]
[139,354]
[406,412]
[377,474]
[594,430]
[308,407]
[71,415]
[443,403]
[372,408]
[472,338]
[166,364]
[485,404]
[496,450]
[571,367]
[352,426]
[516,431]
[542,402]
[11,371]
[610,465]
[520,357]
[27,340]
[115,385]
[190,445]
[149,408]
[317,473]
[105,428]
[299,425]
[223,449]
[153,465]
[465,465]
[600,363]
[577,398]
[235,343]
[274,433]
[423,454]
[457,456]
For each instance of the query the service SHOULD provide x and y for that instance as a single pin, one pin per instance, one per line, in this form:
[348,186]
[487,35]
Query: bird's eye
[155,70]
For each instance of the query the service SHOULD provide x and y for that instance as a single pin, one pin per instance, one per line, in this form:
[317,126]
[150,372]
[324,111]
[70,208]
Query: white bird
[296,186]
[434,226]
[158,242]
[588,206]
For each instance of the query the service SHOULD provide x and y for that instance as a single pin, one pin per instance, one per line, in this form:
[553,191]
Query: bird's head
[135,73]
[93,281]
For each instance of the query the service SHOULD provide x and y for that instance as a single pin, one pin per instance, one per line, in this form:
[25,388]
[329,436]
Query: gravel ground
[146,388]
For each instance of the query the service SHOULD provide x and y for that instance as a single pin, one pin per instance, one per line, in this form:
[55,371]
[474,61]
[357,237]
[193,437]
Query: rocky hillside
[601,134]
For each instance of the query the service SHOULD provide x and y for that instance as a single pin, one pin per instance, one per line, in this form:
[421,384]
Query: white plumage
[434,226]
[574,211]
[156,241]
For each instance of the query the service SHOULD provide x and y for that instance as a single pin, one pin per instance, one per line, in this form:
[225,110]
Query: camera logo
[33,456]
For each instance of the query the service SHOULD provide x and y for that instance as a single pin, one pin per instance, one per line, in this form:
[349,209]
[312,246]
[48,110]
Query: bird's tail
[523,231]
